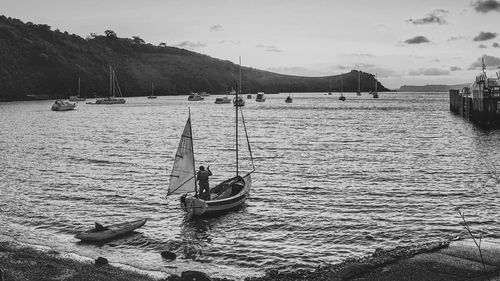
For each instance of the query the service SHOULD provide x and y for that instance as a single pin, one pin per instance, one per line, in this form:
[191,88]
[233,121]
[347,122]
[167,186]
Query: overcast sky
[405,42]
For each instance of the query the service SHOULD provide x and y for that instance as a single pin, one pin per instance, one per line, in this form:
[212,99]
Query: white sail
[182,179]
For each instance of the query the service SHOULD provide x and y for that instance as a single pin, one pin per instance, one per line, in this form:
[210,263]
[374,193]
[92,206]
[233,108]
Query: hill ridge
[42,62]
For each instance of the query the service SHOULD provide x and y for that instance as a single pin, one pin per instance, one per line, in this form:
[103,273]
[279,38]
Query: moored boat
[61,105]
[222,100]
[374,93]
[195,97]
[114,89]
[238,101]
[342,97]
[359,84]
[289,99]
[260,97]
[152,96]
[100,233]
[78,97]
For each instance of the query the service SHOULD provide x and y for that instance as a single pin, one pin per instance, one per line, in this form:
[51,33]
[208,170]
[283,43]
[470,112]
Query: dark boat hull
[199,207]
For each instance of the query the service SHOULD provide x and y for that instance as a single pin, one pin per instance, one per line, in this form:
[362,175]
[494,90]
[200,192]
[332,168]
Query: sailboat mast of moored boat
[236,133]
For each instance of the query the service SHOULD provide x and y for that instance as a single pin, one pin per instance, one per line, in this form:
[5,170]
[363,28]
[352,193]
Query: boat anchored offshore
[238,101]
[227,195]
[359,83]
[195,97]
[342,97]
[260,97]
[100,232]
[78,97]
[60,105]
[375,93]
[152,96]
[222,100]
[114,89]
[289,99]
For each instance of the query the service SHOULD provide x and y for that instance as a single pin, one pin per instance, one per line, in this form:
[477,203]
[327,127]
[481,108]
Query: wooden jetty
[479,103]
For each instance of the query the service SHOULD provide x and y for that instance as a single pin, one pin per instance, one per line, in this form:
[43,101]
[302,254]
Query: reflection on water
[334,179]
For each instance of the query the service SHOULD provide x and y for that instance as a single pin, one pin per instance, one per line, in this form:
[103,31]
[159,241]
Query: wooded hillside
[38,61]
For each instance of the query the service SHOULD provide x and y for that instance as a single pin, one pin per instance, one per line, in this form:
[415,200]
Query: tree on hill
[110,34]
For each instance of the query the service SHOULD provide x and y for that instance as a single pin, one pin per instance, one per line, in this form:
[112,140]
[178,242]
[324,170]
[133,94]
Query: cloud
[269,48]
[361,55]
[428,72]
[191,45]
[495,45]
[483,36]
[482,46]
[490,62]
[417,40]
[229,42]
[485,6]
[216,27]
[456,38]
[437,16]
[455,68]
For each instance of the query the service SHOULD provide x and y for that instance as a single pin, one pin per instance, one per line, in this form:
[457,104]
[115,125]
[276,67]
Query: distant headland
[38,62]
[431,88]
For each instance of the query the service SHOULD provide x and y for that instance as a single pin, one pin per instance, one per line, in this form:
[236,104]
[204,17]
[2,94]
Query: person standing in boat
[202,177]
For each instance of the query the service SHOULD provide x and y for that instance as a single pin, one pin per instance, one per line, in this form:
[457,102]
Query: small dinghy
[101,232]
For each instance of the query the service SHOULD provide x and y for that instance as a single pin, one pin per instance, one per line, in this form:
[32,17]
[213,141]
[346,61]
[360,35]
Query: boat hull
[62,106]
[112,231]
[199,207]
[110,101]
[76,98]
[222,100]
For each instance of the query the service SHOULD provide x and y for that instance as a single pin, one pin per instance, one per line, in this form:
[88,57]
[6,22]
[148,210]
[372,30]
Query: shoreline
[21,261]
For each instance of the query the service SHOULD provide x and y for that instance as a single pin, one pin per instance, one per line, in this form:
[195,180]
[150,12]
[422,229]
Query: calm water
[334,179]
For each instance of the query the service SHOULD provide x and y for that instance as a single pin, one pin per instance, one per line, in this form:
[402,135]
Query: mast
[110,82]
[359,82]
[192,149]
[375,82]
[78,86]
[152,88]
[237,105]
[341,84]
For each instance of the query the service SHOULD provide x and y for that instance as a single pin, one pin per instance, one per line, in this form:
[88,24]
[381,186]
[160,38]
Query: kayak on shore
[100,232]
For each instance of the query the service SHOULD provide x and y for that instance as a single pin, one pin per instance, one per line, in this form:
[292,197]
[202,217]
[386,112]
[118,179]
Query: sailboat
[227,195]
[289,99]
[359,83]
[77,97]
[375,93]
[342,98]
[114,88]
[330,91]
[238,100]
[152,96]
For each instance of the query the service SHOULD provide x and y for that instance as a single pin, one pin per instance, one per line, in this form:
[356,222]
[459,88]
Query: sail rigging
[183,179]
